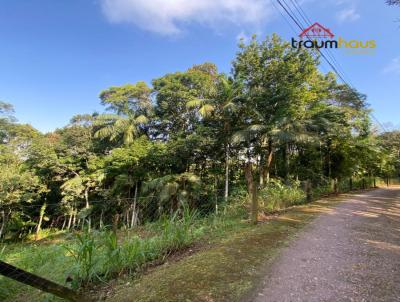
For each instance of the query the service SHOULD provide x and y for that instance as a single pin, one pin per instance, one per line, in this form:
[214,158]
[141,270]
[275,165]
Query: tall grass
[276,196]
[47,260]
[88,258]
[84,253]
[101,255]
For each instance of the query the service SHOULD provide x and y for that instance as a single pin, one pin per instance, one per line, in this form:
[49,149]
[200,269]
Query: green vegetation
[101,256]
[43,259]
[277,196]
[226,147]
[228,270]
[82,260]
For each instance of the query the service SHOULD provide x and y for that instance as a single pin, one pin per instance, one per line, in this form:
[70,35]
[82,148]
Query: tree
[279,84]
[221,109]
[132,109]
[389,143]
[126,168]
[174,92]
[174,191]
[6,118]
[193,139]
[20,191]
[393,2]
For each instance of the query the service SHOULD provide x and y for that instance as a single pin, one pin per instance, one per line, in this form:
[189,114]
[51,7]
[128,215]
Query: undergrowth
[276,196]
[85,258]
[100,256]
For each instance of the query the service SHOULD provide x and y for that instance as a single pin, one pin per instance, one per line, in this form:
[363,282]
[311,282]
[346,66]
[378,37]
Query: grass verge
[217,258]
[228,269]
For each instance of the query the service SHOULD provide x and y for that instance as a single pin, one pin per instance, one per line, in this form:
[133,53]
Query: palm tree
[116,127]
[177,190]
[132,106]
[222,106]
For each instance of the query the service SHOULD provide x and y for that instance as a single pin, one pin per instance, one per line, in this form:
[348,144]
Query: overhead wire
[334,66]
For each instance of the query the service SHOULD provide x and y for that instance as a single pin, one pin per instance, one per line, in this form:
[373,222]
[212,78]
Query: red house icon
[316,31]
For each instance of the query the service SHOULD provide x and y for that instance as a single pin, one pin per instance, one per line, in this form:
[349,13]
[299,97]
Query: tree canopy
[192,138]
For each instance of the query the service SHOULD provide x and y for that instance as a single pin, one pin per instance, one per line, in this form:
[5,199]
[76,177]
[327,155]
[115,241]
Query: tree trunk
[226,192]
[64,222]
[42,211]
[335,186]
[69,221]
[115,223]
[261,171]
[134,212]
[3,222]
[264,163]
[268,163]
[101,219]
[128,217]
[215,193]
[89,219]
[74,219]
[252,189]
[286,161]
[308,190]
[329,164]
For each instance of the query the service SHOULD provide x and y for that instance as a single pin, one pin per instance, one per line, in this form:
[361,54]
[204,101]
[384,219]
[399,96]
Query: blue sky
[56,56]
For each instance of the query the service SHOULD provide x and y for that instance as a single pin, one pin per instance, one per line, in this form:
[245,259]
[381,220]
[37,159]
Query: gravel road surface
[349,254]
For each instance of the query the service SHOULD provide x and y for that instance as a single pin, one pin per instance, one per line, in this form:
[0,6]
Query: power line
[283,16]
[301,12]
[290,13]
[378,122]
[308,22]
[322,54]
[290,25]
[305,18]
[335,66]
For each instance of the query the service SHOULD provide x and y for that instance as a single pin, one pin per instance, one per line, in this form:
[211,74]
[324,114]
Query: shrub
[100,256]
[276,195]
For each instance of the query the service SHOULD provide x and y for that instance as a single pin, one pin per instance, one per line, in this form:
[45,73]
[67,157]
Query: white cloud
[168,16]
[393,67]
[348,14]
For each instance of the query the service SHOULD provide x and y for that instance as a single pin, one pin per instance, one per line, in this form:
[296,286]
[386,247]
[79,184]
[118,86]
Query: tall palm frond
[114,127]
[205,108]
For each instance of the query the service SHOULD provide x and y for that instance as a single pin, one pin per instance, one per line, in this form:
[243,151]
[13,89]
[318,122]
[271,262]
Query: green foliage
[277,196]
[132,107]
[174,191]
[84,252]
[101,255]
[195,139]
[48,260]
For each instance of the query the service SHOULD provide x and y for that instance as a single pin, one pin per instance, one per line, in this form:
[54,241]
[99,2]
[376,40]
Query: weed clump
[277,196]
[100,256]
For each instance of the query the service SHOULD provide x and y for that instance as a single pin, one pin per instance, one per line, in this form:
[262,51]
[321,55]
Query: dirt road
[350,254]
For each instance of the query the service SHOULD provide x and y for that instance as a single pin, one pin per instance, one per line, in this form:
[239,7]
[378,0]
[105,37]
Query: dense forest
[194,139]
